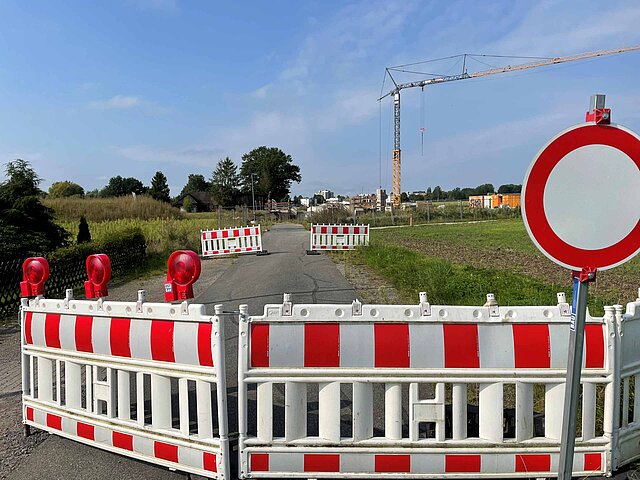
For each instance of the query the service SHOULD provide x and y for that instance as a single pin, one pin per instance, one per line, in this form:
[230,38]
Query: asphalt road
[251,280]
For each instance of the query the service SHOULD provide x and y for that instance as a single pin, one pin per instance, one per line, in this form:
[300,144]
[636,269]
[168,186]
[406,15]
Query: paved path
[251,280]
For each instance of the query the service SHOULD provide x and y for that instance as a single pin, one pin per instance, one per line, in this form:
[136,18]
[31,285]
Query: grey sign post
[581,282]
[574,228]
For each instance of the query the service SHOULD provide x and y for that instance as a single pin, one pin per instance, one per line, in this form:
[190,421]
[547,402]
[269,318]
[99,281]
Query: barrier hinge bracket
[565,308]
[492,304]
[356,307]
[184,307]
[287,305]
[425,306]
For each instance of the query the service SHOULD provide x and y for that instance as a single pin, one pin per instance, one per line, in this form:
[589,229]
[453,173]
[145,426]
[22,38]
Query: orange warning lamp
[99,273]
[35,271]
[183,270]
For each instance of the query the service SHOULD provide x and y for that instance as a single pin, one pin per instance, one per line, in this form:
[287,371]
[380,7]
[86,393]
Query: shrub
[84,235]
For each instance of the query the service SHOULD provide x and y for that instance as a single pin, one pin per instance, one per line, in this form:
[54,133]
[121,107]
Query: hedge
[67,266]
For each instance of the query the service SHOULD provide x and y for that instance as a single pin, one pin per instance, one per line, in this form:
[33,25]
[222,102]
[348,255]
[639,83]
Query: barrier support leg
[524,411]
[459,410]
[491,411]
[265,412]
[295,410]
[362,411]
[329,411]
[393,411]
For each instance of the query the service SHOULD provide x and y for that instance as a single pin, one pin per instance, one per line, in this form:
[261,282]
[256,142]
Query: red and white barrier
[338,237]
[420,364]
[91,368]
[227,241]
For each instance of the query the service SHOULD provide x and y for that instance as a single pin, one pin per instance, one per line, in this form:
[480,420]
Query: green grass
[508,233]
[105,209]
[449,284]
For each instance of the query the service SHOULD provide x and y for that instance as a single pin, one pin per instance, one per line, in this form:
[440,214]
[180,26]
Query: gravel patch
[371,288]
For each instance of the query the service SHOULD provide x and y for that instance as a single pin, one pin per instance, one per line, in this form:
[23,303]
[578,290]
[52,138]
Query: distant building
[305,202]
[381,199]
[496,200]
[199,202]
[326,194]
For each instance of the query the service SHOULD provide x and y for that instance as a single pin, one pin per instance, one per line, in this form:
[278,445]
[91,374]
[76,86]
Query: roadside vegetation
[459,264]
[70,209]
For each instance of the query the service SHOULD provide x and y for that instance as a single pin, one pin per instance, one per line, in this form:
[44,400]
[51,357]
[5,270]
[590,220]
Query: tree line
[438,194]
[268,170]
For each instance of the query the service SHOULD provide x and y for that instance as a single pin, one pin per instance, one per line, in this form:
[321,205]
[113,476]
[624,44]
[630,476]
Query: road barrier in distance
[337,237]
[466,391]
[112,374]
[227,241]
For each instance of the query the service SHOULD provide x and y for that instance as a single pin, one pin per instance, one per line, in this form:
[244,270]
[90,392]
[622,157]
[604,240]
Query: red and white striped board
[338,237]
[393,344]
[89,367]
[174,341]
[227,241]
[130,441]
[325,463]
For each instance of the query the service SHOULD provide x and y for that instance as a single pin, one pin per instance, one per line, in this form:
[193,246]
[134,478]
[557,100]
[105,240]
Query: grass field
[459,264]
[106,209]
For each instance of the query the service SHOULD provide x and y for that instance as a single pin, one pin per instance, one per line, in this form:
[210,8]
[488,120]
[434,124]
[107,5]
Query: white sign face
[581,197]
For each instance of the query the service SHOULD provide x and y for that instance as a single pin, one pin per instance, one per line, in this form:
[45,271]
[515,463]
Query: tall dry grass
[106,209]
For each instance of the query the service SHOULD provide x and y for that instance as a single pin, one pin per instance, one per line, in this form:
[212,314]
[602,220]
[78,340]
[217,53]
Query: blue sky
[91,90]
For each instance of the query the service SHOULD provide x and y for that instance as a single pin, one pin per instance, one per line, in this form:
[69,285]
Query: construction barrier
[227,241]
[465,391]
[338,237]
[124,376]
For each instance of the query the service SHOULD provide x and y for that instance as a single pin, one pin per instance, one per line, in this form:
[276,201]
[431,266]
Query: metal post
[460,209]
[581,282]
[253,200]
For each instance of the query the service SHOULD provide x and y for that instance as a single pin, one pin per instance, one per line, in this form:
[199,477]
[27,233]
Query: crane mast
[464,75]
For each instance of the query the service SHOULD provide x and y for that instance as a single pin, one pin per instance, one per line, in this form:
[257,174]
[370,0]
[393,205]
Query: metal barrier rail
[338,237]
[112,374]
[227,241]
[463,391]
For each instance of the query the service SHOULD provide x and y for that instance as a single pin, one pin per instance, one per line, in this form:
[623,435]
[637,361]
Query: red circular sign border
[536,179]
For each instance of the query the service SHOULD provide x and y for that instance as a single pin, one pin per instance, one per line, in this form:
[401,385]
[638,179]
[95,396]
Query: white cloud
[195,155]
[116,102]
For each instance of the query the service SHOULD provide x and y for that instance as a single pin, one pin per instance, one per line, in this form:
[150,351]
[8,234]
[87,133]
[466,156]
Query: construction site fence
[331,391]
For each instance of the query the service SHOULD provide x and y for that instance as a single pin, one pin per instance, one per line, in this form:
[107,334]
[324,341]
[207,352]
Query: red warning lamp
[35,271]
[99,273]
[183,271]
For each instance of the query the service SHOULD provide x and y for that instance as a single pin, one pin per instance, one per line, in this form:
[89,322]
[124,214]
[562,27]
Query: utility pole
[253,199]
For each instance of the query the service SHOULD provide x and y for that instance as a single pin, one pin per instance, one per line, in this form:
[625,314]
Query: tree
[159,187]
[65,189]
[510,188]
[84,235]
[428,194]
[119,187]
[273,172]
[26,225]
[225,182]
[187,205]
[195,183]
[318,199]
[437,193]
[484,189]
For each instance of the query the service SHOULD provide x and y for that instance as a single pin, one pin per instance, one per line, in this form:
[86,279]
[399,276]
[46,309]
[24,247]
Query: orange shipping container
[511,200]
[496,201]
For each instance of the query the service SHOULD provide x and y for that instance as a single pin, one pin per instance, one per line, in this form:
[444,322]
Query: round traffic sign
[581,197]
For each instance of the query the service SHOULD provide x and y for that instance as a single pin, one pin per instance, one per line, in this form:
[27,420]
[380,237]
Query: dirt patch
[371,288]
[614,285]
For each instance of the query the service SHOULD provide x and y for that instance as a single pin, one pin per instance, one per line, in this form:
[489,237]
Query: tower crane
[464,75]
